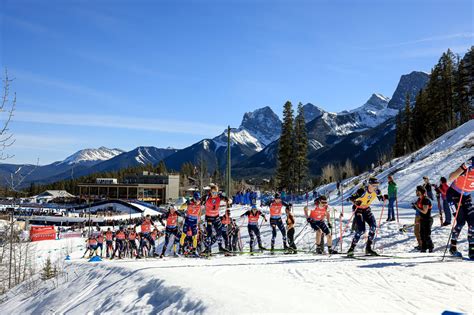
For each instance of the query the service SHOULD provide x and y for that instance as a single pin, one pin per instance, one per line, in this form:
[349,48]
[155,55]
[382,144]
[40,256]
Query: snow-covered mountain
[84,162]
[257,130]
[361,134]
[135,157]
[263,124]
[92,155]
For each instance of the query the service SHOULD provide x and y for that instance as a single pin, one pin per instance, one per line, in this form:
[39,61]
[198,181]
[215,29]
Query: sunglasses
[214,193]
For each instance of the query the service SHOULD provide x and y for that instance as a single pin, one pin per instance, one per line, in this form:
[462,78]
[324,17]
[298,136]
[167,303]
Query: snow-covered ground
[411,282]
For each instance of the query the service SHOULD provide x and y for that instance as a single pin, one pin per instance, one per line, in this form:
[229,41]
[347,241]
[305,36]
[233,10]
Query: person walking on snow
[427,187]
[423,205]
[361,200]
[315,218]
[442,189]
[392,197]
[171,228]
[254,232]
[462,186]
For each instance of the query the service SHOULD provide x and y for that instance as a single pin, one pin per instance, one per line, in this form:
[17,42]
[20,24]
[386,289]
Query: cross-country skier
[225,220]
[145,229]
[423,205]
[276,221]
[460,191]
[213,220]
[109,243]
[100,243]
[253,217]
[290,227]
[316,218]
[361,200]
[191,221]
[234,235]
[132,237]
[91,247]
[171,217]
[119,243]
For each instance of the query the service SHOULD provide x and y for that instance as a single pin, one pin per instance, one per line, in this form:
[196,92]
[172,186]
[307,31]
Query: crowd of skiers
[199,231]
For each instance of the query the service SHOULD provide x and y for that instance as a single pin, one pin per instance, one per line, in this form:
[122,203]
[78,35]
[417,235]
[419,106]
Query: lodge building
[147,186]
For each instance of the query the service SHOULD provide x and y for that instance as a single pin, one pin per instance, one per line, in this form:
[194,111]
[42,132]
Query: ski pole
[380,222]
[345,228]
[301,231]
[455,218]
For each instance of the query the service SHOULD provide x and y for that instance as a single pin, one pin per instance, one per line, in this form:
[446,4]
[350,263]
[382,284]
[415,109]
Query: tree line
[292,168]
[445,103]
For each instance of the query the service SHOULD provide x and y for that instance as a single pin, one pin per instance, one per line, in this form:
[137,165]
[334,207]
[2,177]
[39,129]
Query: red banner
[42,233]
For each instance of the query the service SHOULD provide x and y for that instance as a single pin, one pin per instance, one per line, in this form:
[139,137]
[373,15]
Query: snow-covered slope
[92,155]
[402,282]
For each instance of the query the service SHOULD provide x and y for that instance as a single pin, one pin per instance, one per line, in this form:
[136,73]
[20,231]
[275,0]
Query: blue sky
[169,73]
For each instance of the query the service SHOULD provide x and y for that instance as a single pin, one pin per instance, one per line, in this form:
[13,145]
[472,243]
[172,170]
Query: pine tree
[464,88]
[301,149]
[407,127]
[48,271]
[398,146]
[285,150]
[161,168]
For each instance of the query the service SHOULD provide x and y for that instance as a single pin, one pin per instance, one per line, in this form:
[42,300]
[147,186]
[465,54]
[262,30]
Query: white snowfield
[410,283]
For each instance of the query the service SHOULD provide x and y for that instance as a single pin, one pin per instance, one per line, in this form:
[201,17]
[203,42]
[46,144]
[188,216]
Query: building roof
[55,194]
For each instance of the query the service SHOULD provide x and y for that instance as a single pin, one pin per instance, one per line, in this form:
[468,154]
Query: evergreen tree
[398,147]
[285,150]
[301,149]
[161,168]
[464,88]
[48,272]
[407,127]
[446,102]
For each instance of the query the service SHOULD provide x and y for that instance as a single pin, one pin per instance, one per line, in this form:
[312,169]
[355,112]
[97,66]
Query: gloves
[413,205]
[309,220]
[385,197]
[329,226]
[358,202]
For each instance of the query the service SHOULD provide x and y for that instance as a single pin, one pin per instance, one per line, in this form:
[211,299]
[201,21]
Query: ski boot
[285,247]
[261,247]
[369,251]
[331,251]
[162,255]
[454,251]
[222,249]
[417,247]
[318,250]
[272,249]
[350,252]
